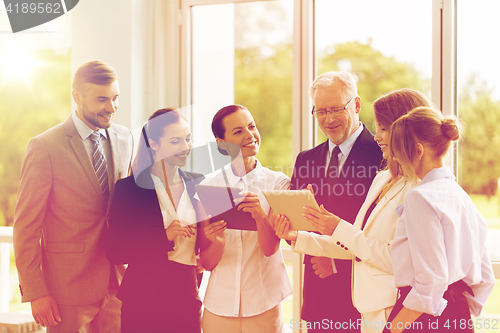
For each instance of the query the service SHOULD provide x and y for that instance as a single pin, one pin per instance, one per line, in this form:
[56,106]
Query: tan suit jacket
[370,249]
[60,219]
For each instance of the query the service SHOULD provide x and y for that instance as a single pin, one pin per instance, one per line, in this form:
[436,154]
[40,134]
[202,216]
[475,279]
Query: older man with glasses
[340,171]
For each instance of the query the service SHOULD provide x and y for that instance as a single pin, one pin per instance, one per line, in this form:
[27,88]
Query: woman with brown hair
[367,242]
[248,279]
[441,265]
[152,228]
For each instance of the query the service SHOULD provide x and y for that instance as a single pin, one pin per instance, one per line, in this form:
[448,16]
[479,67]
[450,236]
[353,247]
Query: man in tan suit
[67,182]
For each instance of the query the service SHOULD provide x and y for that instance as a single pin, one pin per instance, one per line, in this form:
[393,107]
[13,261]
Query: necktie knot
[336,152]
[95,137]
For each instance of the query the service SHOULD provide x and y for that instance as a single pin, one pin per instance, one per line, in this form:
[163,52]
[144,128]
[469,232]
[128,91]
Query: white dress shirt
[184,248]
[84,131]
[345,148]
[245,282]
[440,239]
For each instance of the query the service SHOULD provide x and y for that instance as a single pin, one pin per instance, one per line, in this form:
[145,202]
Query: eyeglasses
[332,111]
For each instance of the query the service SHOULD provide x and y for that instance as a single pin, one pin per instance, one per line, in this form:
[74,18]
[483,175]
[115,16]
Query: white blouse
[184,248]
[245,282]
[440,239]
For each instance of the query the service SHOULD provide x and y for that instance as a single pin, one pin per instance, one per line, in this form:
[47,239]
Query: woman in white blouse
[441,265]
[368,241]
[248,279]
[152,228]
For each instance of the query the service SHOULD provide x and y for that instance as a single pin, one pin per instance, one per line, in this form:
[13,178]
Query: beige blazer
[60,218]
[372,279]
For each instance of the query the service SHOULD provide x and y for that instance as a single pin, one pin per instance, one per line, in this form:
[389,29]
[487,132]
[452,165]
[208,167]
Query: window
[479,108]
[388,45]
[368,44]
[242,54]
[35,83]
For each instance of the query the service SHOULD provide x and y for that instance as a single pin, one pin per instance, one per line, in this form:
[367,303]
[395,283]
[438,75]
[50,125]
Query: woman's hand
[215,232]
[176,229]
[324,221]
[404,318]
[282,228]
[250,203]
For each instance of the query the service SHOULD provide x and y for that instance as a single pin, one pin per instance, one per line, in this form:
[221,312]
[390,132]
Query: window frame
[443,88]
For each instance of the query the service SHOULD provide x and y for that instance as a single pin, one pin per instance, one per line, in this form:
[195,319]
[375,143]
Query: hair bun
[450,128]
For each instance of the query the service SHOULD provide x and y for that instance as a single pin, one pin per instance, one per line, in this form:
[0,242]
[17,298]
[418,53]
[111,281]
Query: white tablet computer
[291,204]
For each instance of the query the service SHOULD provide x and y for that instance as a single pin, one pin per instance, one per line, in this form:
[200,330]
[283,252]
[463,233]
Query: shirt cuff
[300,245]
[334,268]
[421,303]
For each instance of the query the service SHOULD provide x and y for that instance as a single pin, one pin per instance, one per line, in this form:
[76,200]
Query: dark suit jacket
[331,297]
[136,236]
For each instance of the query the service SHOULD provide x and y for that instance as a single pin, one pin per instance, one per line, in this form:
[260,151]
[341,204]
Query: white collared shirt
[84,131]
[440,238]
[184,248]
[345,148]
[245,282]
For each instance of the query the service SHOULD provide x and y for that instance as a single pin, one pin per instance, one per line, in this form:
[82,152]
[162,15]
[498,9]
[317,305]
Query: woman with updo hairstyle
[441,265]
[248,279]
[367,242]
[152,228]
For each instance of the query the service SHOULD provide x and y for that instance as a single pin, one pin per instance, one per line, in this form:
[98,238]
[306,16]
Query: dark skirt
[455,317]
[160,300]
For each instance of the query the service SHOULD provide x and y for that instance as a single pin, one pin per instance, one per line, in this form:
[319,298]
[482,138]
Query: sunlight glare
[17,63]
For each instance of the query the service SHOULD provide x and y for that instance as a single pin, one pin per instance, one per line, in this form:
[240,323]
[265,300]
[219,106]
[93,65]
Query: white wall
[112,31]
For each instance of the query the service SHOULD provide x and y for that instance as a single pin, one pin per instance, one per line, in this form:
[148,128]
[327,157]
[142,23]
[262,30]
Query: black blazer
[331,297]
[136,234]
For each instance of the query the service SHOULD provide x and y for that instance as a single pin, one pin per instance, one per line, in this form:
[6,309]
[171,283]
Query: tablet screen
[218,202]
[291,204]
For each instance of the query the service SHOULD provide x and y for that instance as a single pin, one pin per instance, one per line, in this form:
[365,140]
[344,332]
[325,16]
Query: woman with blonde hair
[367,242]
[441,265]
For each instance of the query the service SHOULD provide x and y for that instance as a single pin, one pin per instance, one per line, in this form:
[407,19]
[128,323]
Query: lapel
[79,149]
[357,153]
[145,184]
[320,159]
[113,161]
[144,181]
[191,180]
[390,195]
[149,203]
[188,181]
[357,158]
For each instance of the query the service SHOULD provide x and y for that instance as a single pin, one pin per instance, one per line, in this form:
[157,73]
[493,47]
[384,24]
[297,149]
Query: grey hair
[327,79]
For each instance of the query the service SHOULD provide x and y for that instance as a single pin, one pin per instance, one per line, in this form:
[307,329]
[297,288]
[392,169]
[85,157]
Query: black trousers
[455,317]
[162,299]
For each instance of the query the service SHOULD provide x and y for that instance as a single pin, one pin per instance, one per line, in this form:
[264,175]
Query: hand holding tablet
[219,201]
[291,203]
[281,227]
[249,202]
[324,221]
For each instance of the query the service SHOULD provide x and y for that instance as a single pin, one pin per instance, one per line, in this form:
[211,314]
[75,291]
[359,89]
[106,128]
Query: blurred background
[200,55]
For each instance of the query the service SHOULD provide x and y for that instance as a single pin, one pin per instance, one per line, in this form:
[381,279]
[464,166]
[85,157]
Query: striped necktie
[99,163]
